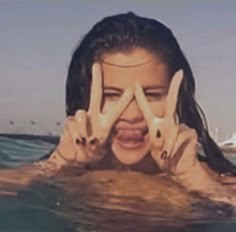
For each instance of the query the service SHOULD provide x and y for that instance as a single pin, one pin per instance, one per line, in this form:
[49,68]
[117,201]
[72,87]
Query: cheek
[108,105]
[158,108]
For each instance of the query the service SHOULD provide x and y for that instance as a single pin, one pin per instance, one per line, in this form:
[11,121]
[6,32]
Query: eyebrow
[155,87]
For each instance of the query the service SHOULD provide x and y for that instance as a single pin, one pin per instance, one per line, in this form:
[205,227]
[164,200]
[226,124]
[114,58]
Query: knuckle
[193,132]
[68,120]
[183,126]
[81,115]
[80,112]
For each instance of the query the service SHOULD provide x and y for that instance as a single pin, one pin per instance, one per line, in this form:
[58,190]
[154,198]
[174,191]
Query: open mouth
[130,139]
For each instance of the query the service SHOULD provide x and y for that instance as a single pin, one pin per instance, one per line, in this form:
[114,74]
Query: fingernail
[158,134]
[93,141]
[78,142]
[164,155]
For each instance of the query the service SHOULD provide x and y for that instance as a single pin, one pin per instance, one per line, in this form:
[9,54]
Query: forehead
[124,69]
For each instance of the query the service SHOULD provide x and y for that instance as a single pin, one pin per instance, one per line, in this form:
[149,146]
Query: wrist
[62,157]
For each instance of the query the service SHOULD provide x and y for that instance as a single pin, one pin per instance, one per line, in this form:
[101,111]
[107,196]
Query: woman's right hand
[85,135]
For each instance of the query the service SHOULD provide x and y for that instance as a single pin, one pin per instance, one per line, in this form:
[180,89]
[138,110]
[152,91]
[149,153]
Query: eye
[154,96]
[111,96]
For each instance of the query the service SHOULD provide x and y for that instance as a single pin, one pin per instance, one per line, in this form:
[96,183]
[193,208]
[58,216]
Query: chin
[130,153]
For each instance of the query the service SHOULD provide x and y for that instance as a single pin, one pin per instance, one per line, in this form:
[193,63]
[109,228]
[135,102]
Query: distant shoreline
[54,139]
[46,138]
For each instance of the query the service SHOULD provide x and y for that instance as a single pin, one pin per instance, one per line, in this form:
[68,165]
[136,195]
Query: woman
[130,104]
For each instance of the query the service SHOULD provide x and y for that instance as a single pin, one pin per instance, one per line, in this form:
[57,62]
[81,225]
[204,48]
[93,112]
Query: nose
[132,113]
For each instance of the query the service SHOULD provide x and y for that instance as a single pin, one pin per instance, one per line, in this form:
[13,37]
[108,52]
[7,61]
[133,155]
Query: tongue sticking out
[130,135]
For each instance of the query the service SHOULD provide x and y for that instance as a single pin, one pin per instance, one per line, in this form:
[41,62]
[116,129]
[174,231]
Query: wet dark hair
[123,32]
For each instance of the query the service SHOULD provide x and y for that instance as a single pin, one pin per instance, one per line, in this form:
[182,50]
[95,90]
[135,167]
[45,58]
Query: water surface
[103,200]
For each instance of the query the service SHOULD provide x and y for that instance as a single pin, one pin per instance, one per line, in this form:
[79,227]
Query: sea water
[105,201]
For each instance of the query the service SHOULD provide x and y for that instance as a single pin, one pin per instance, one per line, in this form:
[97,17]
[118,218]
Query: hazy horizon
[38,38]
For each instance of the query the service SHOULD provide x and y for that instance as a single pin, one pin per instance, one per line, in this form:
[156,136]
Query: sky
[37,39]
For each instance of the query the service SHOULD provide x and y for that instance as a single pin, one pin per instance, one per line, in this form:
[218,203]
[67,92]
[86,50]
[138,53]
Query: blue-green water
[102,201]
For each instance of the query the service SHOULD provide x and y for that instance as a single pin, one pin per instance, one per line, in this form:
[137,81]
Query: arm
[24,175]
[15,178]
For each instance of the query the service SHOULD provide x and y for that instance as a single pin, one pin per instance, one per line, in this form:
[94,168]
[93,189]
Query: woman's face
[129,137]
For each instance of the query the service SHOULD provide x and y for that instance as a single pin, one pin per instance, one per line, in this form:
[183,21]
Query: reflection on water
[111,201]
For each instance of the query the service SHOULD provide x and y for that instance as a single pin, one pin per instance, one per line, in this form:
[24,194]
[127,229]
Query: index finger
[172,97]
[96,90]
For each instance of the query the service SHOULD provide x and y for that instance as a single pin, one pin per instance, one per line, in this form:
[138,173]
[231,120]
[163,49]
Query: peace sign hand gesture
[173,146]
[86,134]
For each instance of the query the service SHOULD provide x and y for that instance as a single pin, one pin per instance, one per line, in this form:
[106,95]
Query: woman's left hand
[173,146]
